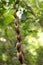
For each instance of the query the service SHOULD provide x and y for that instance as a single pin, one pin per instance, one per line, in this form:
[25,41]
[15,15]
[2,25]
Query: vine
[18,45]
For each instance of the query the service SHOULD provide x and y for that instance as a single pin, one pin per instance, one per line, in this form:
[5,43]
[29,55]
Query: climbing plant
[29,32]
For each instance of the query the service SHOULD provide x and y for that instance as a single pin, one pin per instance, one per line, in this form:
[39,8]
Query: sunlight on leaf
[4,57]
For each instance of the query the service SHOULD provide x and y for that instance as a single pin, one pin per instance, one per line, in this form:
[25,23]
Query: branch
[31,9]
[37,5]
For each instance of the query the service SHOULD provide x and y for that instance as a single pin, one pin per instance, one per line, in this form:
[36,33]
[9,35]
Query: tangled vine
[18,45]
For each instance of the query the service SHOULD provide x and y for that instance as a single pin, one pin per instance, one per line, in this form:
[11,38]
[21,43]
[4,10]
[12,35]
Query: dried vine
[18,45]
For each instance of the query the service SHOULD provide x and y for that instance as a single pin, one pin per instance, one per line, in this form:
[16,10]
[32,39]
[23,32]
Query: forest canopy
[30,22]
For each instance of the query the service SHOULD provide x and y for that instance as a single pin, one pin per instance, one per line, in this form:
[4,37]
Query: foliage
[30,15]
